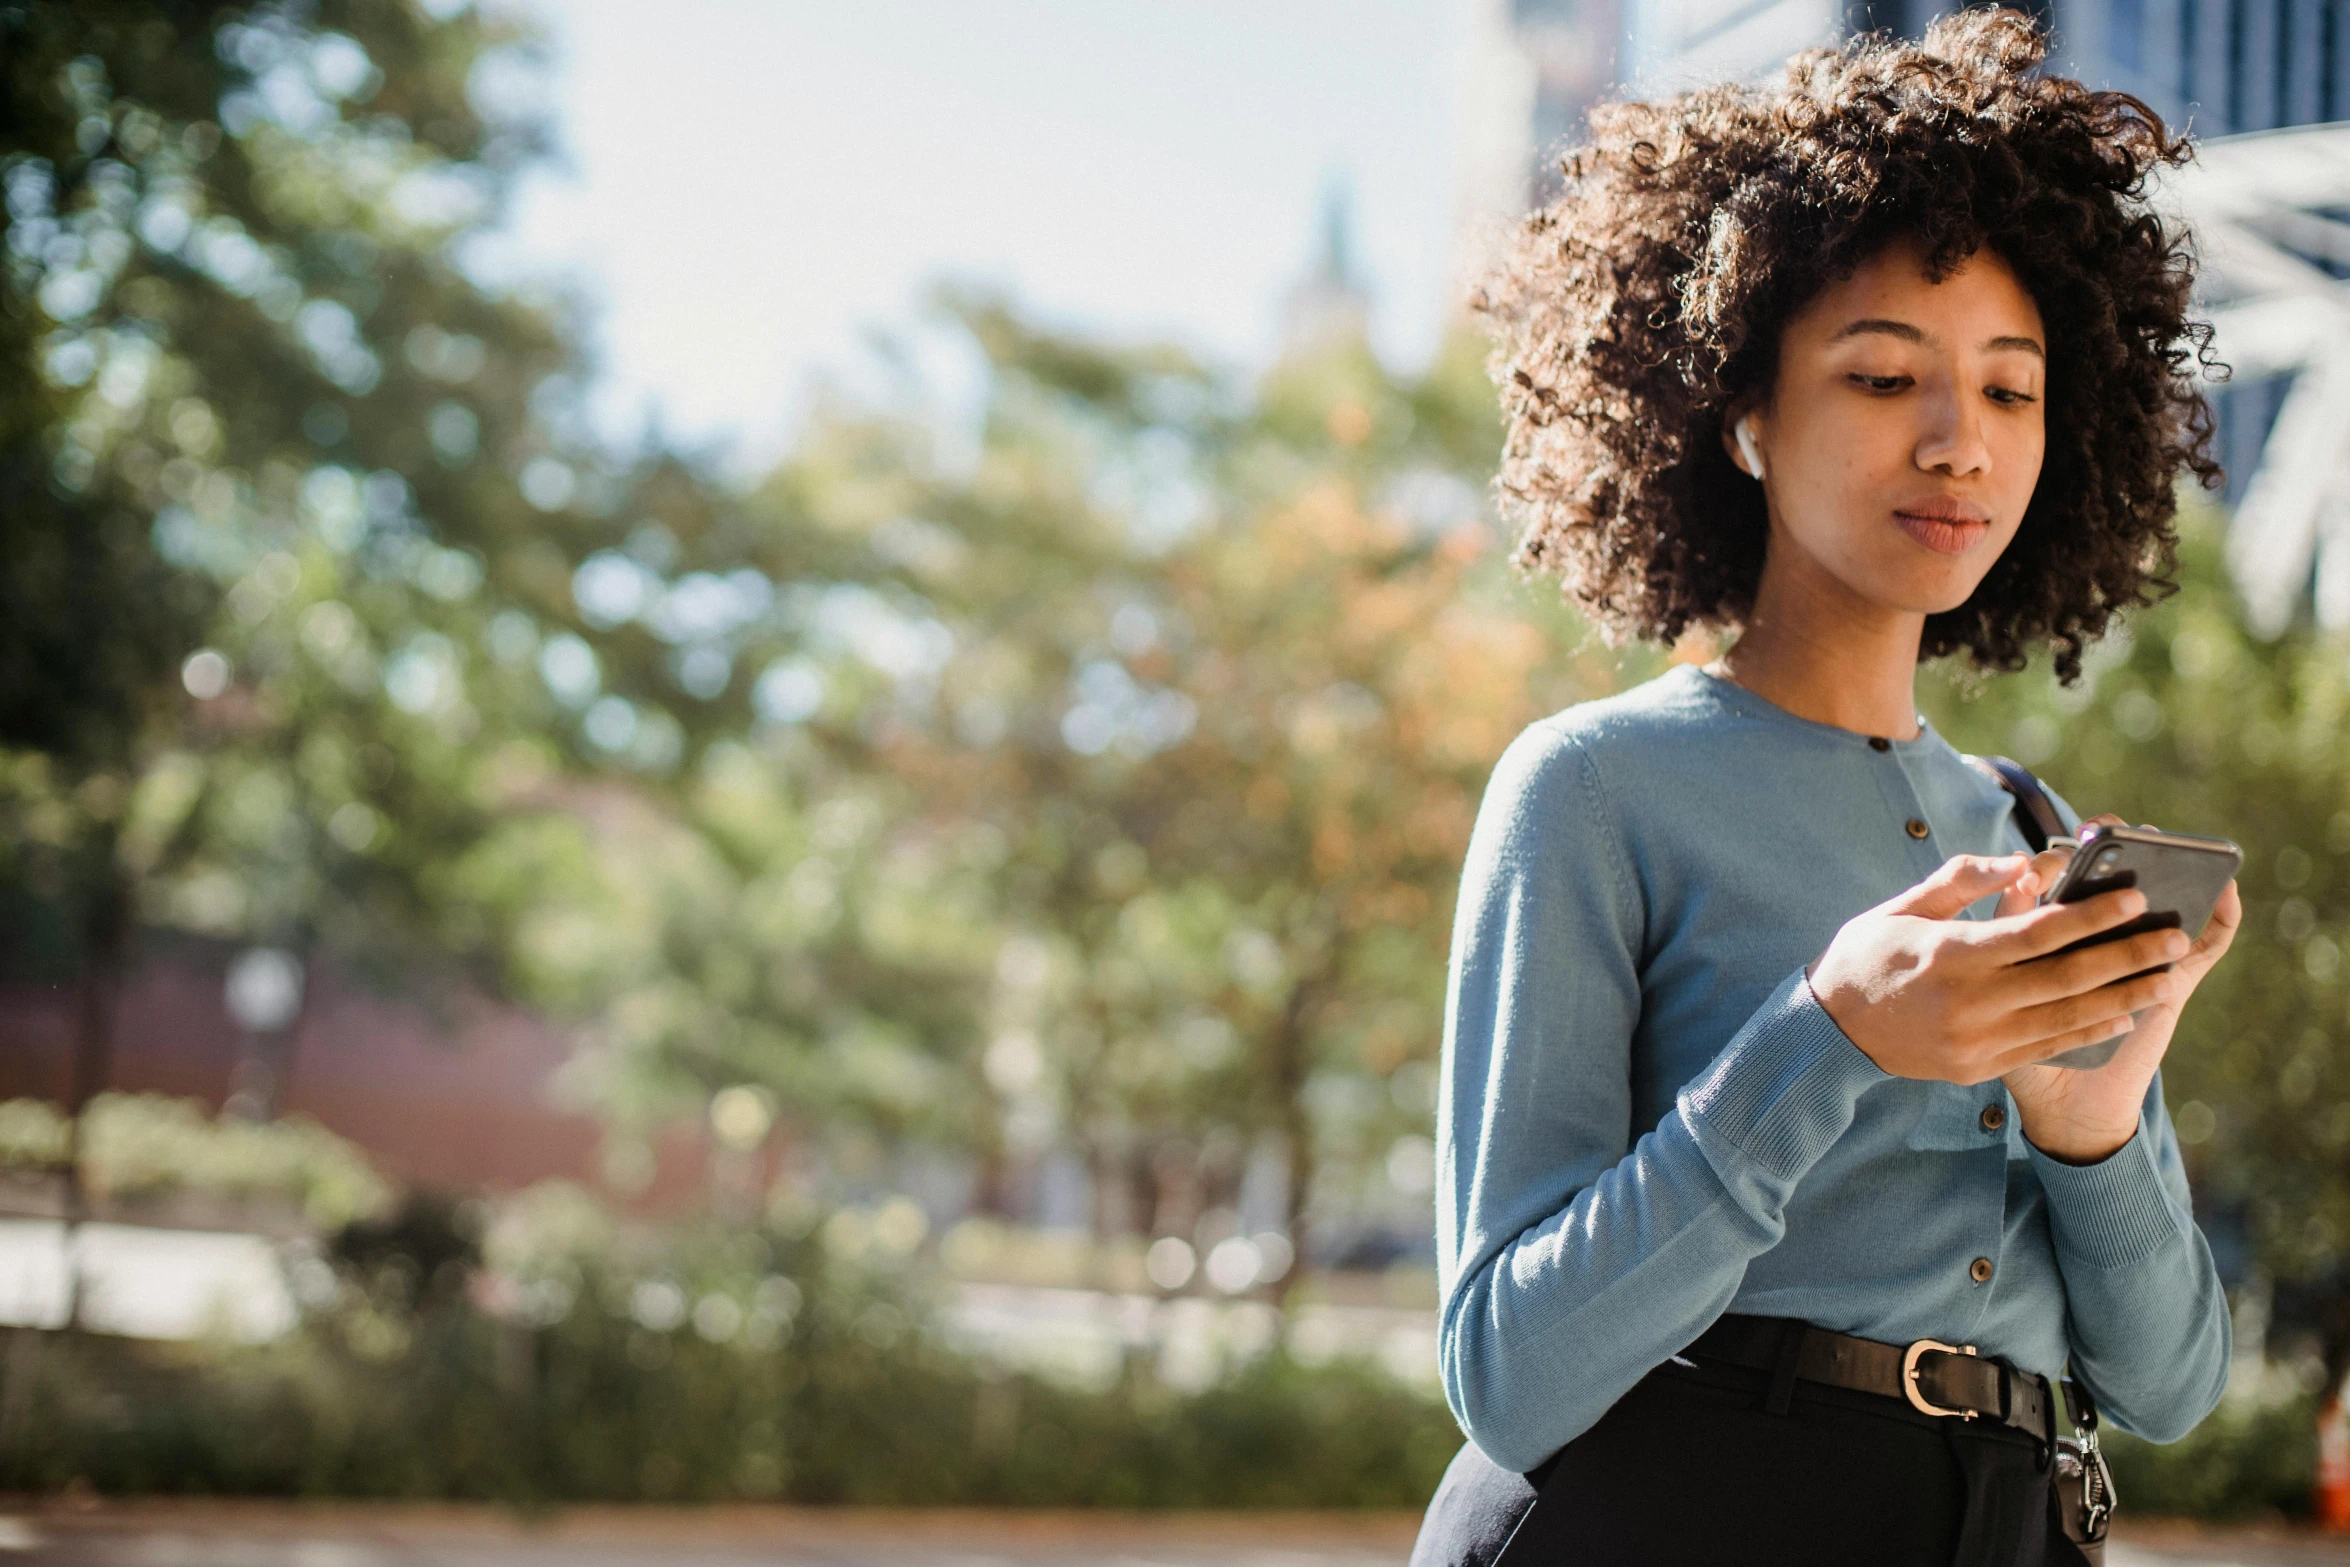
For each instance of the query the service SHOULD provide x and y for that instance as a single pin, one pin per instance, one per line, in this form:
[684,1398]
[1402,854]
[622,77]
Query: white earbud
[1743,433]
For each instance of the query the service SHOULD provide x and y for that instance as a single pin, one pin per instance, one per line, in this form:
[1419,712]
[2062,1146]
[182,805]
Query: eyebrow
[1880,326]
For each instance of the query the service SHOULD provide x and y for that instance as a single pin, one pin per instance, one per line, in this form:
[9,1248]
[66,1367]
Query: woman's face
[1904,433]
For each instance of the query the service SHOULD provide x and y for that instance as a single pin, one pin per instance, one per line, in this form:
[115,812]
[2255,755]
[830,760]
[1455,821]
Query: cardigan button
[1979,1270]
[1994,1117]
[1880,743]
[1916,827]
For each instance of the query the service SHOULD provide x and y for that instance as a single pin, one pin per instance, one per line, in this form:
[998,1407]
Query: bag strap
[2079,1405]
[2035,813]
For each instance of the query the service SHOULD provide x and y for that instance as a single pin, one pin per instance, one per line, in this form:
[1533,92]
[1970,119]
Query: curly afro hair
[1651,296]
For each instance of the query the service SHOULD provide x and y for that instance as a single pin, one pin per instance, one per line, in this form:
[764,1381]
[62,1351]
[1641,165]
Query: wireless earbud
[1743,433]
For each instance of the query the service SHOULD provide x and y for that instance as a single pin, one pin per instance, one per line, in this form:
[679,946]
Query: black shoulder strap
[2035,813]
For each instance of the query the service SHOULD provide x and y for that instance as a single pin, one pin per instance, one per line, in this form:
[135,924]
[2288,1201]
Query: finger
[2227,917]
[2046,867]
[2056,1045]
[2040,931]
[2076,973]
[2049,864]
[1956,885]
[2092,1009]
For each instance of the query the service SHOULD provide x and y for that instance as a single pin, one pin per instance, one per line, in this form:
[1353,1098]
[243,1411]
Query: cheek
[1853,453]
[2018,466]
[1864,461]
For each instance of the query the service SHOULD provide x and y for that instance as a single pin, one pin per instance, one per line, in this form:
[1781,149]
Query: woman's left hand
[2082,1117]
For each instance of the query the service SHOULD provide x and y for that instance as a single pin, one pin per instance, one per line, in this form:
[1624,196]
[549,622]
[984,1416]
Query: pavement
[242,1534]
[266,1534]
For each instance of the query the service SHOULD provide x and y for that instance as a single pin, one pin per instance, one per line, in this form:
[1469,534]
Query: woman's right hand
[1926,994]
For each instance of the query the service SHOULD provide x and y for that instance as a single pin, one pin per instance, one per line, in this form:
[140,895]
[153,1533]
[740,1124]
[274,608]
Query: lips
[1944,524]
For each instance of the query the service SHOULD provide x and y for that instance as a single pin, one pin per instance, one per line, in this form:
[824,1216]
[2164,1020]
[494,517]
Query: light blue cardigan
[1647,1120]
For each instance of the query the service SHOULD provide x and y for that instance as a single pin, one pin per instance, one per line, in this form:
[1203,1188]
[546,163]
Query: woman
[1749,987]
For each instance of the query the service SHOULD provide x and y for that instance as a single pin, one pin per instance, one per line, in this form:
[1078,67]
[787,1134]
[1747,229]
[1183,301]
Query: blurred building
[2220,67]
[450,1091]
[1331,305]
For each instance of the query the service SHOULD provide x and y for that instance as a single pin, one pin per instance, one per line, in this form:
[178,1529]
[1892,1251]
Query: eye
[2008,396]
[1879,383]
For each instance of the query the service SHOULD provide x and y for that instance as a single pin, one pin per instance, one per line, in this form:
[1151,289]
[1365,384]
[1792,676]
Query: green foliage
[1145,736]
[300,644]
[262,449]
[720,1367]
[142,1146]
[2248,1459]
[1219,670]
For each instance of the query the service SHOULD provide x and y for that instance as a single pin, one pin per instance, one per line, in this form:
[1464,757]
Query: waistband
[1950,1381]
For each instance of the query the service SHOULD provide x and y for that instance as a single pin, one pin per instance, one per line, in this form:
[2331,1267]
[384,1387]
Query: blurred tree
[1194,691]
[329,627]
[286,491]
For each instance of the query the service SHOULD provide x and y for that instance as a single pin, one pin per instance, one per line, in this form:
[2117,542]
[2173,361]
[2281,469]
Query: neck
[1818,650]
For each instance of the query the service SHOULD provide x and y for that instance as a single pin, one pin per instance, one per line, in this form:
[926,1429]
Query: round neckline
[1755,705]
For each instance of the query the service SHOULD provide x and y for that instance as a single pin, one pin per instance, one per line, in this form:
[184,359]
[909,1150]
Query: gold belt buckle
[1909,1376]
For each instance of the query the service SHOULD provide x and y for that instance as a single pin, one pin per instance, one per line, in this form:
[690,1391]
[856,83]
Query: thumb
[1961,880]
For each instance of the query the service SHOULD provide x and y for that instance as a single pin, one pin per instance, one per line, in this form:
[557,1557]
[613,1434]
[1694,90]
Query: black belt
[1932,1377]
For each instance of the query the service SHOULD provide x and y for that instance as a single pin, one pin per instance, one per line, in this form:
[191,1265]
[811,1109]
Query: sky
[750,189]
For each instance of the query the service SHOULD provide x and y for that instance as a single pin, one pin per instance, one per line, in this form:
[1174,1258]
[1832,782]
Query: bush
[148,1146]
[813,1382]
[2249,1458]
[717,1366]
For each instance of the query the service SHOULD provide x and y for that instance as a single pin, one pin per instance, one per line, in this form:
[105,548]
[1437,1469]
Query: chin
[1935,595]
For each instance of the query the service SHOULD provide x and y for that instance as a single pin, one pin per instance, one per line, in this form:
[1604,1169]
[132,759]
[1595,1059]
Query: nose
[1952,440]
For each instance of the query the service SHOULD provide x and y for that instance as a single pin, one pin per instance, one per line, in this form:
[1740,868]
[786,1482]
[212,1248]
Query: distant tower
[1332,306]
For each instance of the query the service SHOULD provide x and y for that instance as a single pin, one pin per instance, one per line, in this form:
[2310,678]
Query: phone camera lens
[2109,857]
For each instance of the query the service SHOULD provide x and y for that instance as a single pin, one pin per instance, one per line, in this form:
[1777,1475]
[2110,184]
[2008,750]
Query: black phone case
[2181,875]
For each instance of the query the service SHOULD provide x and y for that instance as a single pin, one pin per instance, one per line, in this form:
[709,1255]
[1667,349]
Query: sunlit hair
[1653,294]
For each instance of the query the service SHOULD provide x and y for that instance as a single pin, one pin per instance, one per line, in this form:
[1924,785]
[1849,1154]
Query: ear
[1741,441]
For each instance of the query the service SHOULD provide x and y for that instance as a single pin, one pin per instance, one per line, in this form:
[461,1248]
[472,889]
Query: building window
[2125,24]
[2280,70]
[2190,27]
[2327,43]
[2234,116]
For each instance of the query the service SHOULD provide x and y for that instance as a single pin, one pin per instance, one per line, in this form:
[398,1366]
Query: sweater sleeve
[1575,1259]
[2145,1314]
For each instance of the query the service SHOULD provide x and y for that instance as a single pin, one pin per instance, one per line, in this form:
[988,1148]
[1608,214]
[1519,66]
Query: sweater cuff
[1785,1087]
[2110,1214]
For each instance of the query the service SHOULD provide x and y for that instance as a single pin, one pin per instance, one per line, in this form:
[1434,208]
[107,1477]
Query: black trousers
[1690,1467]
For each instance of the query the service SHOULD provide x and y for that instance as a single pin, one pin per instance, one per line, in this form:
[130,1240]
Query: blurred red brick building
[456,1095]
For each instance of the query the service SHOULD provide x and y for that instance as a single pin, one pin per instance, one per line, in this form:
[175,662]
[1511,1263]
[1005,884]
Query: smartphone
[2181,875]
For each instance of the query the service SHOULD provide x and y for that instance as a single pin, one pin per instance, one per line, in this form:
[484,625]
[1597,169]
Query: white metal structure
[2271,215]
[1671,45]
